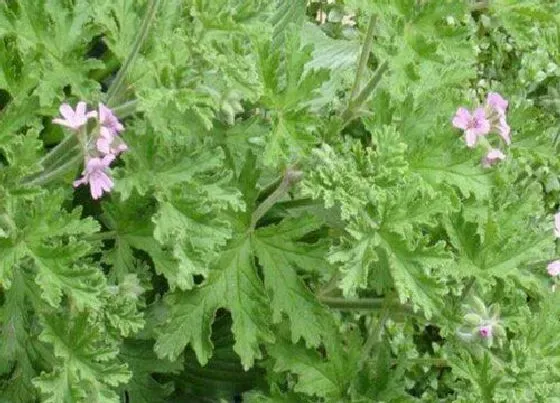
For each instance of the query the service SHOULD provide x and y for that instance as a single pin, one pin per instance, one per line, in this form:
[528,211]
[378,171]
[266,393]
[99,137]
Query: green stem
[376,333]
[55,153]
[352,304]
[100,236]
[364,56]
[51,175]
[139,40]
[330,286]
[126,109]
[354,105]
[435,362]
[291,177]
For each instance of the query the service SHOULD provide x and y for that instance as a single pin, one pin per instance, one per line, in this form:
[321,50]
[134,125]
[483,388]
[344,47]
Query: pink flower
[109,122]
[108,141]
[557,225]
[95,174]
[485,331]
[474,125]
[504,130]
[553,268]
[74,119]
[497,103]
[493,157]
[113,146]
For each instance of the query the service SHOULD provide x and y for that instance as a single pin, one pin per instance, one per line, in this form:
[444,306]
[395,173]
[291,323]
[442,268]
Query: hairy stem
[352,304]
[46,177]
[330,286]
[100,236]
[364,56]
[291,177]
[354,105]
[126,109]
[138,42]
[376,332]
[61,148]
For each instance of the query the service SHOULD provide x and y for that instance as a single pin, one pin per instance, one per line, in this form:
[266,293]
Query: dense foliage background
[295,219]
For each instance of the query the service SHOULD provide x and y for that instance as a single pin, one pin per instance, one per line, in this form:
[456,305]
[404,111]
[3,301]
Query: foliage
[295,218]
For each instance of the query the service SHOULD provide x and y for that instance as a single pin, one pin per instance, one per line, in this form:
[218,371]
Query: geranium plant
[279,201]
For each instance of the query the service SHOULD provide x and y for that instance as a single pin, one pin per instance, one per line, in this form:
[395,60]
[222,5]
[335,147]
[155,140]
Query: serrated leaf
[233,285]
[279,253]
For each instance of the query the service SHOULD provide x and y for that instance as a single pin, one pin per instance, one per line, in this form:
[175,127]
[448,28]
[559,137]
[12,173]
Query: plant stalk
[138,42]
[355,104]
[291,177]
[364,56]
[50,175]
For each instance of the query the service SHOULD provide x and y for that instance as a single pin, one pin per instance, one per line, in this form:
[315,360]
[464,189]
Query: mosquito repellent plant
[279,201]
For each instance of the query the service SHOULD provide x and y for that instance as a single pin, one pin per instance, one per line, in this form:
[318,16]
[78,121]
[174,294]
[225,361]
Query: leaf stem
[139,40]
[100,236]
[51,175]
[291,177]
[353,106]
[364,56]
[376,332]
[351,304]
[126,109]
[60,149]
[435,362]
[331,285]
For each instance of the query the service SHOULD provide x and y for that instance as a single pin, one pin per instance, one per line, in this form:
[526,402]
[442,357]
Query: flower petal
[462,118]
[470,138]
[66,111]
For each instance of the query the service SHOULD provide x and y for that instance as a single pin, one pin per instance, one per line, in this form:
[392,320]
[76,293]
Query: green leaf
[49,237]
[51,38]
[232,284]
[279,253]
[86,365]
[143,387]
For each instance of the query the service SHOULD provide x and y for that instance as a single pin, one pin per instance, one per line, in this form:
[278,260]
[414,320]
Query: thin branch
[364,56]
[138,42]
[291,177]
[354,105]
[55,173]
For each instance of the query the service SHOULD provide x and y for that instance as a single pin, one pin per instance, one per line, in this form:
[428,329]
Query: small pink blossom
[110,146]
[95,174]
[485,331]
[109,121]
[473,125]
[553,268]
[492,157]
[504,130]
[497,103]
[74,119]
[557,225]
[108,141]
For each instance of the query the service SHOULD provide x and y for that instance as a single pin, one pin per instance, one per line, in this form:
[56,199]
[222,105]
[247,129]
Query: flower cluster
[482,323]
[101,145]
[553,268]
[482,121]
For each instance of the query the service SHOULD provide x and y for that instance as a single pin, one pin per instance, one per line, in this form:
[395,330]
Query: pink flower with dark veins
[553,268]
[95,174]
[474,125]
[492,157]
[74,119]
